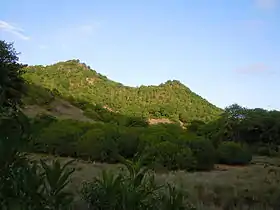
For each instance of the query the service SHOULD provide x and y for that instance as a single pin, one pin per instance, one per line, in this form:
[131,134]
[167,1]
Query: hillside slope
[80,85]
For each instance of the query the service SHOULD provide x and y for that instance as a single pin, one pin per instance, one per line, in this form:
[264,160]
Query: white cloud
[5,26]
[266,4]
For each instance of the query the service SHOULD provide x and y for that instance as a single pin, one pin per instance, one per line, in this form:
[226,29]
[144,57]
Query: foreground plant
[56,178]
[134,189]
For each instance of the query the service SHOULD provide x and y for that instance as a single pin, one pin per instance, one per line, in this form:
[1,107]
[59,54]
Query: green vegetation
[227,187]
[86,116]
[133,190]
[233,153]
[85,87]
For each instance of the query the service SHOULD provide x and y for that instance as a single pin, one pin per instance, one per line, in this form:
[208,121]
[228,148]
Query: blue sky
[224,50]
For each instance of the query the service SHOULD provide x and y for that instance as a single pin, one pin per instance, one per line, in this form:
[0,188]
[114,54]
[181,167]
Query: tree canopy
[11,81]
[170,100]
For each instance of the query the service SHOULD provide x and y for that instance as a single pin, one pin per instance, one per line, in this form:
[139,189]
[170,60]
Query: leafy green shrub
[99,144]
[121,191]
[135,190]
[40,122]
[128,142]
[136,122]
[204,153]
[28,185]
[33,186]
[185,159]
[233,153]
[156,134]
[171,156]
[56,178]
[61,137]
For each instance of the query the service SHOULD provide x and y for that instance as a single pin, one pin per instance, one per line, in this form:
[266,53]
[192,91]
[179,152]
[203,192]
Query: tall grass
[133,189]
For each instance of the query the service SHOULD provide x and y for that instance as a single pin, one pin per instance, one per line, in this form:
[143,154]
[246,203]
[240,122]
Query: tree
[11,81]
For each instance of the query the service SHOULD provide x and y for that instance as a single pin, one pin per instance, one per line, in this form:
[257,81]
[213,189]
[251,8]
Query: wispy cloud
[254,68]
[5,26]
[266,4]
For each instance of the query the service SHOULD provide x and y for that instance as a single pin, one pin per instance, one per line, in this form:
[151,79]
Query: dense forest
[197,136]
[79,83]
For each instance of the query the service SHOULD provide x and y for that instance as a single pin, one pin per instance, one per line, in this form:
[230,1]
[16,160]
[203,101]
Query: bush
[233,153]
[185,159]
[133,190]
[171,156]
[60,137]
[204,153]
[99,144]
[128,143]
[156,134]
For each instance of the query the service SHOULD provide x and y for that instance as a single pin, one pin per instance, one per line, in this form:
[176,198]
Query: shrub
[28,185]
[40,122]
[185,159]
[171,156]
[204,153]
[233,153]
[136,122]
[156,134]
[128,142]
[99,144]
[121,191]
[60,137]
[133,190]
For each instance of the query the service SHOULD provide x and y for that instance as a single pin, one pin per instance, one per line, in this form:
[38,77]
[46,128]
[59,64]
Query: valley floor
[255,185]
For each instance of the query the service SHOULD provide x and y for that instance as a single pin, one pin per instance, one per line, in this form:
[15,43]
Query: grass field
[256,186]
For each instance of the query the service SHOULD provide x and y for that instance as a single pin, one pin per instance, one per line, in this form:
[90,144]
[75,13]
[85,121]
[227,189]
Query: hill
[85,88]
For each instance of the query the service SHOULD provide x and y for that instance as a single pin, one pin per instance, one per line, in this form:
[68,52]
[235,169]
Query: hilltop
[77,85]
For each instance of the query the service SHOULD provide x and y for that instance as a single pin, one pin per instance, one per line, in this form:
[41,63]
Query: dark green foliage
[99,113]
[99,144]
[56,178]
[204,152]
[233,153]
[60,137]
[129,142]
[40,122]
[133,190]
[171,156]
[11,81]
[161,144]
[25,184]
[251,126]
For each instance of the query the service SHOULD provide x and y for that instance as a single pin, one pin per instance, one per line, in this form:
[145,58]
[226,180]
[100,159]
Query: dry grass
[207,190]
[58,108]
